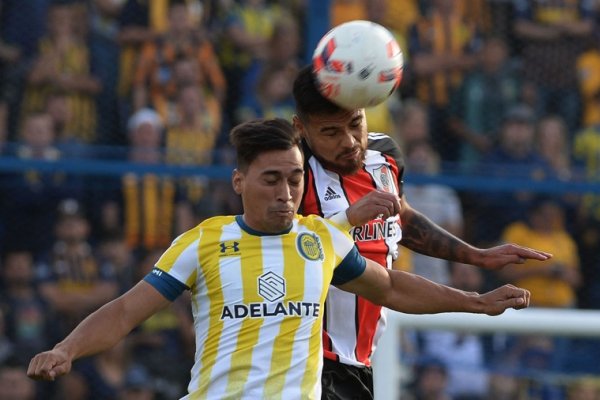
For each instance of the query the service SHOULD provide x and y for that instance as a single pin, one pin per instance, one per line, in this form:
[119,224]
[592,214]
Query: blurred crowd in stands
[496,91]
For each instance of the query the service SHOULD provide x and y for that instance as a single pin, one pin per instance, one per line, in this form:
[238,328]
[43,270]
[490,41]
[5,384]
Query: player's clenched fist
[373,205]
[498,300]
[49,365]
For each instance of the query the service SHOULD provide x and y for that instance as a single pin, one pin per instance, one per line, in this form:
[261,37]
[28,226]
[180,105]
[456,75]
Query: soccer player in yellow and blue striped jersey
[259,281]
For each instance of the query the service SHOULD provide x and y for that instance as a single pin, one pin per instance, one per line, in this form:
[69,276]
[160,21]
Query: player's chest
[331,193]
[270,269]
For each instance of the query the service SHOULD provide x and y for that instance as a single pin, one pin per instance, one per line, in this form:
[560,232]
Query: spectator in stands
[430,380]
[478,13]
[412,122]
[482,99]
[246,31]
[282,51]
[68,142]
[154,84]
[191,137]
[439,202]
[282,58]
[113,249]
[138,385]
[553,35]
[503,385]
[135,29]
[165,342]
[71,278]
[105,54]
[185,74]
[554,145]
[191,140]
[63,64]
[29,211]
[535,358]
[585,388]
[461,352]
[442,48]
[588,74]
[22,24]
[14,383]
[29,320]
[99,377]
[272,96]
[514,157]
[552,284]
[147,206]
[586,151]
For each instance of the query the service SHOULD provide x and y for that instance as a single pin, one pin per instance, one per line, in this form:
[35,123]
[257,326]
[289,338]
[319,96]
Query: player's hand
[500,256]
[376,204]
[49,365]
[498,300]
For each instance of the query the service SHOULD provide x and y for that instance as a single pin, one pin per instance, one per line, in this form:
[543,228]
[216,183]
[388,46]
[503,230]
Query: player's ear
[298,125]
[237,179]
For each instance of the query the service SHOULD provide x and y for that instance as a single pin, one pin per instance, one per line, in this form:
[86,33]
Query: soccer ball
[357,64]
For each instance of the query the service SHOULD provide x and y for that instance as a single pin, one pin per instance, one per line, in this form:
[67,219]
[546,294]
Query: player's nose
[284,192]
[348,139]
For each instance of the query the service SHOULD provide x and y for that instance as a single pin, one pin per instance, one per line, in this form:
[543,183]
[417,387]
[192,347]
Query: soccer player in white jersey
[258,282]
[350,174]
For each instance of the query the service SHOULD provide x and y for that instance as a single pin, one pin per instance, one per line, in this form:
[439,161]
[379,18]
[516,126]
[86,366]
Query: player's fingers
[396,204]
[526,252]
[517,303]
[32,367]
[59,369]
[43,367]
[527,298]
[520,297]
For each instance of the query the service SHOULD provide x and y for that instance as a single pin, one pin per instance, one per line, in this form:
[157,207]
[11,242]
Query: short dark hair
[258,136]
[308,99]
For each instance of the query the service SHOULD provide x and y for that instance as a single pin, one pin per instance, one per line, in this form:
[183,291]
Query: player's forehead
[342,118]
[279,162]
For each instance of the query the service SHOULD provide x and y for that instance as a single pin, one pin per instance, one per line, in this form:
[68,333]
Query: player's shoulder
[212,224]
[318,224]
[218,220]
[311,221]
[382,143]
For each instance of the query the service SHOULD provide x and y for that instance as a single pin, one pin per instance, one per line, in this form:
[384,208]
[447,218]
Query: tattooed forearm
[420,234]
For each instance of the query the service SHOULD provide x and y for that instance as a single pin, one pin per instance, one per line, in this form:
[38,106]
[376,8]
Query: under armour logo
[232,247]
[330,194]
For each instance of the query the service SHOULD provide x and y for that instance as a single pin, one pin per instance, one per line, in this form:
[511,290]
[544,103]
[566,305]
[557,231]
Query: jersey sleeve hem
[168,286]
[351,267]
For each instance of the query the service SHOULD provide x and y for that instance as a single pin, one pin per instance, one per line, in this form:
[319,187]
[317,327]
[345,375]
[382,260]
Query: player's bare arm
[420,234]
[100,331]
[413,294]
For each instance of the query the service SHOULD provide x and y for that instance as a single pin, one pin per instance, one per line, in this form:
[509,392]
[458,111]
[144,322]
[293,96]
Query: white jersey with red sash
[352,325]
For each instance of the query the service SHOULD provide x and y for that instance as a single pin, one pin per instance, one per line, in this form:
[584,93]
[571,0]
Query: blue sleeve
[352,266]
[168,286]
